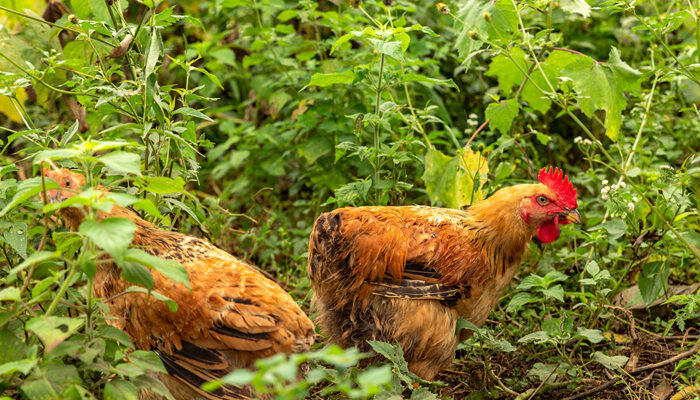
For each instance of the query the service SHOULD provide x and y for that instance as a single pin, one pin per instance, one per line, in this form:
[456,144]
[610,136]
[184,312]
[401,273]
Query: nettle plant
[125,132]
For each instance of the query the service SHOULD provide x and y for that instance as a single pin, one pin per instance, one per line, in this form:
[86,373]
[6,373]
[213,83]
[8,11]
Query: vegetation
[241,121]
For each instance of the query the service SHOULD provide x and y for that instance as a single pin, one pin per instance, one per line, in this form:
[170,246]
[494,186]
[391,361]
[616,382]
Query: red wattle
[548,231]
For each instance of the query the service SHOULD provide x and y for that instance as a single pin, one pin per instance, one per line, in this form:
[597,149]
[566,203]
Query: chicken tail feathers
[194,366]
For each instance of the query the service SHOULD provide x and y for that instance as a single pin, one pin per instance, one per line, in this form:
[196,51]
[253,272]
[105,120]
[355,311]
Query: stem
[61,290]
[376,112]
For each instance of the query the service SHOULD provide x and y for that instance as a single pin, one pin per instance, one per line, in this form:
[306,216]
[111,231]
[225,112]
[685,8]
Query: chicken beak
[572,216]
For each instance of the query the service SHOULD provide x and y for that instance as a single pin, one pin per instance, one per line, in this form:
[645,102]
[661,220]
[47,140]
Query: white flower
[623,184]
[604,196]
[614,186]
[473,116]
[634,199]
[578,139]
[630,206]
[665,167]
[605,182]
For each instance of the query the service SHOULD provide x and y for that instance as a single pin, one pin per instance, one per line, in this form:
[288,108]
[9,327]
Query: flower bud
[355,3]
[441,7]
[487,16]
[72,19]
[473,34]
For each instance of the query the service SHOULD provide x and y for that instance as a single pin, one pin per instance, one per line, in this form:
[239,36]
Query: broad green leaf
[11,347]
[652,281]
[170,268]
[146,360]
[470,18]
[21,366]
[52,379]
[122,162]
[454,181]
[136,274]
[172,305]
[34,258]
[57,154]
[592,335]
[164,185]
[324,80]
[16,236]
[576,6]
[543,371]
[601,88]
[112,235]
[615,228]
[10,293]
[519,300]
[501,114]
[392,49]
[53,330]
[556,291]
[610,362]
[538,337]
[531,281]
[509,72]
[27,189]
[120,390]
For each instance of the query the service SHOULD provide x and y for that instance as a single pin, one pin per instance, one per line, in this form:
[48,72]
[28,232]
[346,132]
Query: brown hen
[232,316]
[406,274]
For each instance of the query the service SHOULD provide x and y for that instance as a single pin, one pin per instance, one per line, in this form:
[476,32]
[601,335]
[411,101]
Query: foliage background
[241,122]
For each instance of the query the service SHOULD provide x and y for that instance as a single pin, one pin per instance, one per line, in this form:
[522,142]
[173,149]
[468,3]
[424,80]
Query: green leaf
[37,257]
[538,337]
[120,390]
[10,293]
[164,185]
[592,335]
[57,154]
[333,78]
[172,304]
[170,268]
[112,235]
[652,281]
[11,347]
[192,113]
[415,77]
[501,114]
[16,236]
[153,53]
[122,162]
[576,6]
[556,292]
[615,228]
[543,371]
[50,380]
[392,49]
[519,300]
[26,189]
[454,181]
[628,77]
[614,362]
[136,274]
[504,21]
[146,360]
[53,330]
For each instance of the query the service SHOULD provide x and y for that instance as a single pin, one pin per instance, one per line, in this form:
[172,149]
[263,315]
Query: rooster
[407,274]
[232,316]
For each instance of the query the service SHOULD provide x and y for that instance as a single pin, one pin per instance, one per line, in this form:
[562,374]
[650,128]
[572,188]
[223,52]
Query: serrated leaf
[112,235]
[27,189]
[504,21]
[122,162]
[333,78]
[192,113]
[502,113]
[53,330]
[164,185]
[610,362]
[170,268]
[16,237]
[120,390]
[519,300]
[392,49]
[592,335]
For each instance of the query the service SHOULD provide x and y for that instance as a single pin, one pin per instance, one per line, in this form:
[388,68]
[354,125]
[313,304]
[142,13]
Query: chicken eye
[542,200]
[67,183]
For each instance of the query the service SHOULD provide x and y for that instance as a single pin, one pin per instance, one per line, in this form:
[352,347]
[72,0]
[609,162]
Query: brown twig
[614,380]
[543,381]
[479,129]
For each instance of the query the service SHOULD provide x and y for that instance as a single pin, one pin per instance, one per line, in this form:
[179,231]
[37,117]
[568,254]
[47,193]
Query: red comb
[560,184]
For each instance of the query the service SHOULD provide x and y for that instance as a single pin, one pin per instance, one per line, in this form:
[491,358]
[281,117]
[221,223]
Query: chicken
[232,316]
[406,274]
